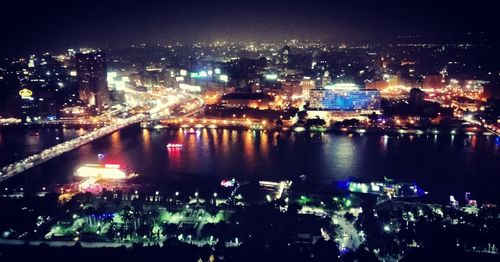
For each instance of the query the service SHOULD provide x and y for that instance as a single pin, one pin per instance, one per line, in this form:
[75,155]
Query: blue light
[343,184]
[346,100]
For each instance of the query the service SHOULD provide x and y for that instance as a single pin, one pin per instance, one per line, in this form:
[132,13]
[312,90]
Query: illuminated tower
[91,75]
[285,55]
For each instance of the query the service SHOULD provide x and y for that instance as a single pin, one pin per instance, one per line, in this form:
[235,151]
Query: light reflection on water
[19,142]
[440,163]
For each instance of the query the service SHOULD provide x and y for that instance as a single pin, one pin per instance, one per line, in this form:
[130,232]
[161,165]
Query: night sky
[28,26]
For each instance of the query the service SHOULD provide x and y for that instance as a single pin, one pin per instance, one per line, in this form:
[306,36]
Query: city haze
[31,26]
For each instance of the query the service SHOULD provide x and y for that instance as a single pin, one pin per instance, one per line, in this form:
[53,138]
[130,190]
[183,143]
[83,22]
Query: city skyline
[309,131]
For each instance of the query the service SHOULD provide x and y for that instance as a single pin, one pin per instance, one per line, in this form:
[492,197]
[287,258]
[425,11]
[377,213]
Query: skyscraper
[91,75]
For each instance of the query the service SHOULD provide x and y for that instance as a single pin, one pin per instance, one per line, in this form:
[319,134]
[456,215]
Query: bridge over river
[22,165]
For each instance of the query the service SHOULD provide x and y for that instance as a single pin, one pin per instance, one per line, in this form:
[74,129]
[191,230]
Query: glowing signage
[224,78]
[190,88]
[228,183]
[203,74]
[271,77]
[26,93]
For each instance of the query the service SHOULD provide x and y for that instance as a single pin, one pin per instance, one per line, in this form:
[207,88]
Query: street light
[215,194]
[177,193]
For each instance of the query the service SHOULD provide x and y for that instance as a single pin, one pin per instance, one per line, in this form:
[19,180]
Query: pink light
[226,183]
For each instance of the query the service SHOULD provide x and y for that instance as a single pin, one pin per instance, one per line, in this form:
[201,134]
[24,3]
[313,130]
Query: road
[161,105]
[471,120]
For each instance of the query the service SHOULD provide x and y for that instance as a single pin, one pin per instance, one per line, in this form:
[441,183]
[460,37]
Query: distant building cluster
[267,81]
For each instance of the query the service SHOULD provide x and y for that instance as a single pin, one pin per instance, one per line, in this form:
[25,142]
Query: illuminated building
[344,97]
[389,84]
[380,85]
[465,104]
[292,88]
[28,104]
[190,88]
[91,75]
[433,82]
[108,171]
[211,96]
[285,55]
[324,80]
[475,86]
[247,100]
[307,84]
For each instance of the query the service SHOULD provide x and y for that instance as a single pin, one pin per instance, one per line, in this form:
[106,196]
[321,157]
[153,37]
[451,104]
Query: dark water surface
[442,164]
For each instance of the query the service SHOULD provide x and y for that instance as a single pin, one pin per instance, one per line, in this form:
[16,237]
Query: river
[442,164]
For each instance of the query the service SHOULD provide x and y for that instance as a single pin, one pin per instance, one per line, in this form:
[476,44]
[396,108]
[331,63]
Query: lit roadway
[469,119]
[163,103]
[491,128]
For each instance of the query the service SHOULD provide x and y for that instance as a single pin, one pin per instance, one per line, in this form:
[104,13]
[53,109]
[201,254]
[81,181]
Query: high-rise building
[344,97]
[91,75]
[285,55]
[325,79]
[307,84]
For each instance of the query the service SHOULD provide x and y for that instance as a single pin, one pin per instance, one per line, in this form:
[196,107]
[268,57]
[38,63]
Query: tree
[325,251]
[373,117]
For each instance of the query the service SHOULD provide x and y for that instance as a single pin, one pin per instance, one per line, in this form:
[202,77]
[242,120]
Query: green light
[318,129]
[303,200]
